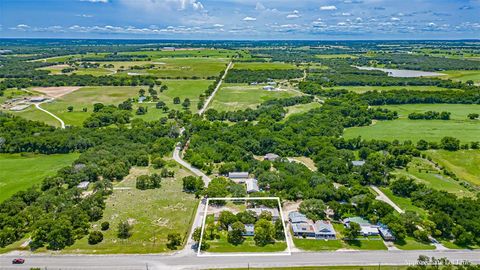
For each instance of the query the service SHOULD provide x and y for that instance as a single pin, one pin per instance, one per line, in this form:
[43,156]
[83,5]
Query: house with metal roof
[366,228]
[83,185]
[303,230]
[271,157]
[238,175]
[324,230]
[252,185]
[297,217]
[358,163]
[386,234]
[274,211]
[249,229]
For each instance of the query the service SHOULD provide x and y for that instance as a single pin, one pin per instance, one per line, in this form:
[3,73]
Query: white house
[252,185]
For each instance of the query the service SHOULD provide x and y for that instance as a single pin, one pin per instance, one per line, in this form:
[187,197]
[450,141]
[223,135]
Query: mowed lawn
[404,203]
[232,97]
[263,65]
[363,89]
[423,171]
[464,163]
[154,214]
[430,130]
[34,114]
[19,172]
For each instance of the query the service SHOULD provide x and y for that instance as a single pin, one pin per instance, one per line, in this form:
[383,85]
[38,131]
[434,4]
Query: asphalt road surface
[183,261]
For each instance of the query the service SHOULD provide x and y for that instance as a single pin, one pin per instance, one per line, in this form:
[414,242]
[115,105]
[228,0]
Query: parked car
[18,261]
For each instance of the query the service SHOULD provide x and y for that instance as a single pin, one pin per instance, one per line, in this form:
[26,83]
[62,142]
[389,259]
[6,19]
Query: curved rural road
[382,197]
[62,124]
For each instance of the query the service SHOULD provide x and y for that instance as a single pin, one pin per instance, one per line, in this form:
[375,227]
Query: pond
[403,72]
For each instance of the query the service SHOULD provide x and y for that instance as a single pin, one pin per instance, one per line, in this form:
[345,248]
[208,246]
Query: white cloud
[259,6]
[163,5]
[84,15]
[292,16]
[218,25]
[95,1]
[328,8]
[394,19]
[249,19]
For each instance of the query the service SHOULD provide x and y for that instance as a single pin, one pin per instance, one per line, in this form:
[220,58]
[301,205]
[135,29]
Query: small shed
[358,163]
[83,185]
[271,157]
[238,175]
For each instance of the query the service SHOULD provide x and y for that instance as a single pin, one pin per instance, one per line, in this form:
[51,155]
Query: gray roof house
[386,234]
[83,185]
[366,228]
[324,230]
[252,185]
[271,157]
[357,163]
[303,229]
[297,217]
[238,175]
[273,211]
[249,229]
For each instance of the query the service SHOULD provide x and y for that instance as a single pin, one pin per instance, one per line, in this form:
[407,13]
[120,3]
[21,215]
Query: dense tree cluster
[429,115]
[152,181]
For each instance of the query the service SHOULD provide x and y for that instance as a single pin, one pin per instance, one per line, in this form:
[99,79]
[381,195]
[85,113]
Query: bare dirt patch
[56,92]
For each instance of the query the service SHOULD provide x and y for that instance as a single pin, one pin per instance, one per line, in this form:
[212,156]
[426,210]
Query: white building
[252,185]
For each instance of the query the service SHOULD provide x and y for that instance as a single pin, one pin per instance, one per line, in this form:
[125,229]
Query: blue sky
[241,19]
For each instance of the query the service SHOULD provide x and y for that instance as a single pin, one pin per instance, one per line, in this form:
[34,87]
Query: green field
[462,75]
[317,245]
[200,52]
[403,203]
[222,245]
[411,243]
[233,97]
[464,163]
[425,172]
[263,65]
[302,108]
[155,214]
[20,172]
[430,130]
[363,89]
[85,97]
[179,68]
[12,93]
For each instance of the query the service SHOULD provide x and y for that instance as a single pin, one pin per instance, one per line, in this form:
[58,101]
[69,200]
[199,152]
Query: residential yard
[425,172]
[232,97]
[464,163]
[222,245]
[411,243]
[21,171]
[154,214]
[317,245]
[430,130]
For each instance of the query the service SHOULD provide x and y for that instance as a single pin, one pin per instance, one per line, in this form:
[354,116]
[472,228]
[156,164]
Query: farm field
[425,172]
[232,97]
[363,89]
[430,130]
[158,213]
[19,172]
[463,75]
[464,163]
[263,65]
[191,53]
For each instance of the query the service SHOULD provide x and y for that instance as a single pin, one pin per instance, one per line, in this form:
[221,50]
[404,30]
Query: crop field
[363,89]
[154,214]
[425,172]
[430,130]
[19,172]
[464,163]
[232,97]
[463,75]
[263,65]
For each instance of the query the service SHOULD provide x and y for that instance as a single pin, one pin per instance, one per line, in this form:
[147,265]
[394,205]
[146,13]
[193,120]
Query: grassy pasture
[154,213]
[403,203]
[178,68]
[263,65]
[85,97]
[363,89]
[330,56]
[302,108]
[430,130]
[462,75]
[426,173]
[191,53]
[464,163]
[233,97]
[20,172]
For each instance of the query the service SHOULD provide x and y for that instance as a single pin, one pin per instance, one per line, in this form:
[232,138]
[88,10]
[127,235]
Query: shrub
[95,237]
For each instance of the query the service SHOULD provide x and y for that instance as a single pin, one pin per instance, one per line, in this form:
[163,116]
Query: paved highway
[183,261]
